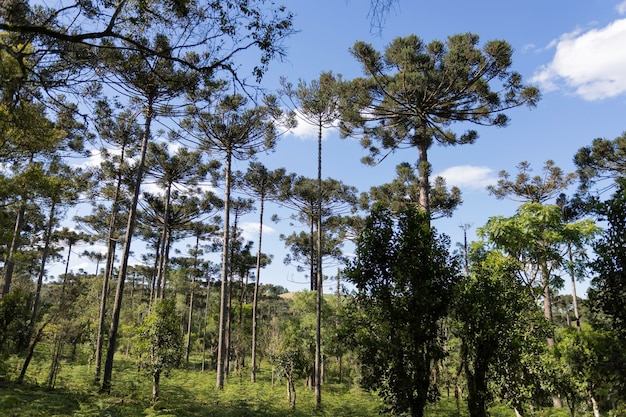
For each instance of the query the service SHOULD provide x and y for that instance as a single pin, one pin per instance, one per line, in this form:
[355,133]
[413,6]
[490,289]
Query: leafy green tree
[404,280]
[160,343]
[544,233]
[585,362]
[537,237]
[414,91]
[608,287]
[501,333]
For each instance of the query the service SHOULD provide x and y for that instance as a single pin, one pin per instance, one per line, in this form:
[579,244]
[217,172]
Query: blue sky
[574,50]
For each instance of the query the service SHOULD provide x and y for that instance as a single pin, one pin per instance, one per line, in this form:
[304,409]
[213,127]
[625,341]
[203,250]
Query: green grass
[183,393]
[191,394]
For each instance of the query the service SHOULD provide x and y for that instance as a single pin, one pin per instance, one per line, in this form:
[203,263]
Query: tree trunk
[31,349]
[255,297]
[130,228]
[221,346]
[108,270]
[9,263]
[594,404]
[162,267]
[423,168]
[156,379]
[319,280]
[42,271]
[573,278]
[206,315]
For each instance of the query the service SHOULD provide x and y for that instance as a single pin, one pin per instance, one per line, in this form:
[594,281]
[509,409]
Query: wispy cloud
[621,8]
[588,63]
[468,176]
[250,230]
[306,130]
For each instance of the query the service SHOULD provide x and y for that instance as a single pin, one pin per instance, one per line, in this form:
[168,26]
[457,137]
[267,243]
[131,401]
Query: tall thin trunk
[156,382]
[191,294]
[130,228]
[206,315]
[573,278]
[313,257]
[318,330]
[423,168]
[255,297]
[108,270]
[9,263]
[166,257]
[163,260]
[547,299]
[42,271]
[221,346]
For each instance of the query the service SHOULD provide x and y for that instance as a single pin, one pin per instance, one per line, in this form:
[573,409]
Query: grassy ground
[183,393]
[189,394]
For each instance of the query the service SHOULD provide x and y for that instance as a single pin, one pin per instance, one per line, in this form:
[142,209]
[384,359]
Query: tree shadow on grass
[25,400]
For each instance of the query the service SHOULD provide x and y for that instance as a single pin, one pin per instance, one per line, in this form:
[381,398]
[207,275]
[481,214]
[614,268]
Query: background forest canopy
[146,139]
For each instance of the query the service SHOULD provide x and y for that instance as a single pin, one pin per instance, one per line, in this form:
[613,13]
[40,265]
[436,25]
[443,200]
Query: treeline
[159,94]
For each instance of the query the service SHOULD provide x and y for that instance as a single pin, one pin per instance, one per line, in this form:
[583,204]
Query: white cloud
[621,8]
[250,230]
[591,63]
[468,176]
[306,130]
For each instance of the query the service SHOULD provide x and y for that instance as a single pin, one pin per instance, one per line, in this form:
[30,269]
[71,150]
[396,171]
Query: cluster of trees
[96,78]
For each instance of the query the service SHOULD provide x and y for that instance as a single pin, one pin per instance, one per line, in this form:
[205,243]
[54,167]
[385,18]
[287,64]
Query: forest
[168,98]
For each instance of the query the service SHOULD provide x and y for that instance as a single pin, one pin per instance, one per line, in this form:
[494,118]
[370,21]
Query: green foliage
[608,294]
[604,159]
[159,342]
[14,316]
[404,278]
[537,235]
[536,189]
[404,190]
[502,334]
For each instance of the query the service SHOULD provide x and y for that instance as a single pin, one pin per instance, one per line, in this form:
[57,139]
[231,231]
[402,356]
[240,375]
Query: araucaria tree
[415,91]
[234,129]
[404,277]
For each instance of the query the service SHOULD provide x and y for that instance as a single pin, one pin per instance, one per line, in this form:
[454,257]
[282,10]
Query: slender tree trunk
[42,271]
[594,405]
[423,167]
[221,346]
[108,270]
[163,260]
[255,296]
[31,349]
[547,299]
[573,278]
[156,382]
[130,228]
[9,263]
[206,315]
[320,289]
[166,258]
[191,294]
